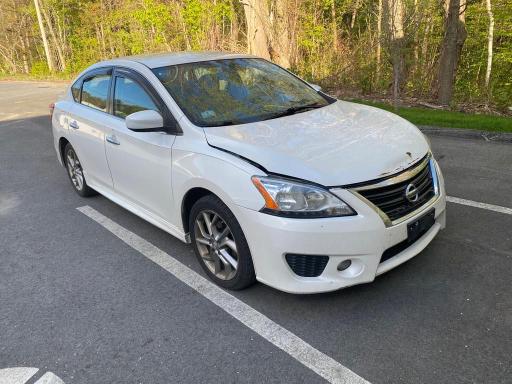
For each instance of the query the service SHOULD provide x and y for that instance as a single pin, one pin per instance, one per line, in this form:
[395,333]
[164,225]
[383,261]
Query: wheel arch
[188,201]
[195,175]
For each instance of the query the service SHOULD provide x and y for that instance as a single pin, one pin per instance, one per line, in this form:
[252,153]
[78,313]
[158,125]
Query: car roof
[173,58]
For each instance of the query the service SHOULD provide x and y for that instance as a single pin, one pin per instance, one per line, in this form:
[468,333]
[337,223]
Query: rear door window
[95,91]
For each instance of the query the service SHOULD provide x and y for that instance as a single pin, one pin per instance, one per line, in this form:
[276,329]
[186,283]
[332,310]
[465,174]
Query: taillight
[52,107]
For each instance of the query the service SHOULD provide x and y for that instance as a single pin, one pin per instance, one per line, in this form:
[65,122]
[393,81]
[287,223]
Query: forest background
[451,54]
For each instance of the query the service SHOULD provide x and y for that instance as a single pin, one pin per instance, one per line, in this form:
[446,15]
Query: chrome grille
[391,199]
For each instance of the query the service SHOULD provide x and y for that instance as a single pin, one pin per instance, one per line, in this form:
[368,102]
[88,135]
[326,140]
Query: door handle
[112,139]
[74,124]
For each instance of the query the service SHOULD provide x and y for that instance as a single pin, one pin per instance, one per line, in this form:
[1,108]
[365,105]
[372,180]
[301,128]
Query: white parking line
[16,375]
[49,378]
[22,375]
[290,343]
[476,204]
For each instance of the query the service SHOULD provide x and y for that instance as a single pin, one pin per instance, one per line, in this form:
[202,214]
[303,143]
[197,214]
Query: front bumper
[362,239]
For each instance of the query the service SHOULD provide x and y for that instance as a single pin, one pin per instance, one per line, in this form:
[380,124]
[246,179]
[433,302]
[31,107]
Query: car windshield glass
[236,91]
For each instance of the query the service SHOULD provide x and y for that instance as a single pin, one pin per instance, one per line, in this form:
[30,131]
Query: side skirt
[142,213]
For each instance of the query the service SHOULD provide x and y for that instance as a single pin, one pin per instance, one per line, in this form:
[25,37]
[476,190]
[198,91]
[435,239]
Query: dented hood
[343,143]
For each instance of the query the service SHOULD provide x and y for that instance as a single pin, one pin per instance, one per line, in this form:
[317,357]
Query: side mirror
[144,120]
[316,87]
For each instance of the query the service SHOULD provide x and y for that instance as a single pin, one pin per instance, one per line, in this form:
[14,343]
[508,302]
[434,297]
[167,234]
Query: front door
[140,162]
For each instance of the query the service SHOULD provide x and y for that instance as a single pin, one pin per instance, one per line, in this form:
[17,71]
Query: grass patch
[448,119]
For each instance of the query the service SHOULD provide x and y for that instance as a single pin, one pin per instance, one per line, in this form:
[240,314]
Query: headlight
[294,199]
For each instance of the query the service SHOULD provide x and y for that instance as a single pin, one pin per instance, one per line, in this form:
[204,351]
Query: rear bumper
[362,239]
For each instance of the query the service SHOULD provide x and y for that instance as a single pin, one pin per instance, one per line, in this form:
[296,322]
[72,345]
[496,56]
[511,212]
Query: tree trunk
[102,41]
[280,40]
[256,13]
[49,58]
[416,34]
[395,14]
[27,44]
[58,44]
[453,41]
[379,38]
[354,14]
[24,55]
[334,26]
[490,38]
[233,36]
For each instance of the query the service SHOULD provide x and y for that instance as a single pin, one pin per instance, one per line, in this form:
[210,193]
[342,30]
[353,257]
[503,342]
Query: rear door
[89,123]
[140,161]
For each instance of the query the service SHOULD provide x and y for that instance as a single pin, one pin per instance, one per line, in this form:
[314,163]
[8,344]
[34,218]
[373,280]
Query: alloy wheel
[216,244]
[75,169]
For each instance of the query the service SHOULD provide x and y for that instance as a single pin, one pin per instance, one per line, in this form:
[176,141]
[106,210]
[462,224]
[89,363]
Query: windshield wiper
[298,109]
[222,123]
[286,112]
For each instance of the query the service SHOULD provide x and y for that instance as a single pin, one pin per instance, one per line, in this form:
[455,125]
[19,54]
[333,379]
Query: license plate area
[420,226]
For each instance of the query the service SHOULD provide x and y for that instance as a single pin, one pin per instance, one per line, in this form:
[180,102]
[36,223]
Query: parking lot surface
[78,301]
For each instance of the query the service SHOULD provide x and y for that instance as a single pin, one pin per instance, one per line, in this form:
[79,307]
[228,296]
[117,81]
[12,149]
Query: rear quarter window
[95,91]
[75,90]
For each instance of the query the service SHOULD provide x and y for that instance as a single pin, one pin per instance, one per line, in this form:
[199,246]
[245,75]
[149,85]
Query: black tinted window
[130,97]
[95,92]
[75,91]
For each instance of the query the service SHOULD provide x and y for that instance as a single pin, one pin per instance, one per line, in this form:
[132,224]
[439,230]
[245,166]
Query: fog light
[344,265]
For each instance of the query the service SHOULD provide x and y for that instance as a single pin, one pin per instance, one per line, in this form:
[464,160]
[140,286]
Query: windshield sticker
[207,114]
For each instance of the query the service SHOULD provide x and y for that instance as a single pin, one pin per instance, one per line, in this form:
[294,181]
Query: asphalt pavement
[79,302]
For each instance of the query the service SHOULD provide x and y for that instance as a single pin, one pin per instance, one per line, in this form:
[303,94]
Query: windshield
[236,91]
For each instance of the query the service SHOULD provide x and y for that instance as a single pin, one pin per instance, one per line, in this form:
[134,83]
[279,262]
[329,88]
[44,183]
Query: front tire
[220,244]
[76,172]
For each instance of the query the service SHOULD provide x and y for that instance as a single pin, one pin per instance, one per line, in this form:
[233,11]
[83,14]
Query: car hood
[342,143]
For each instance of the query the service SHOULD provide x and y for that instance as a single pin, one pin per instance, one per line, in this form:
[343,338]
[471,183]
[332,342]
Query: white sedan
[269,178]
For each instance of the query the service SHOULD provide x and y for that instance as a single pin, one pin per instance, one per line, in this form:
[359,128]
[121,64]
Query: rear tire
[220,245]
[76,172]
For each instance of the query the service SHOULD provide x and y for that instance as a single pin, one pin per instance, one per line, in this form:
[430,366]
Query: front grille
[307,265]
[391,199]
[396,249]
